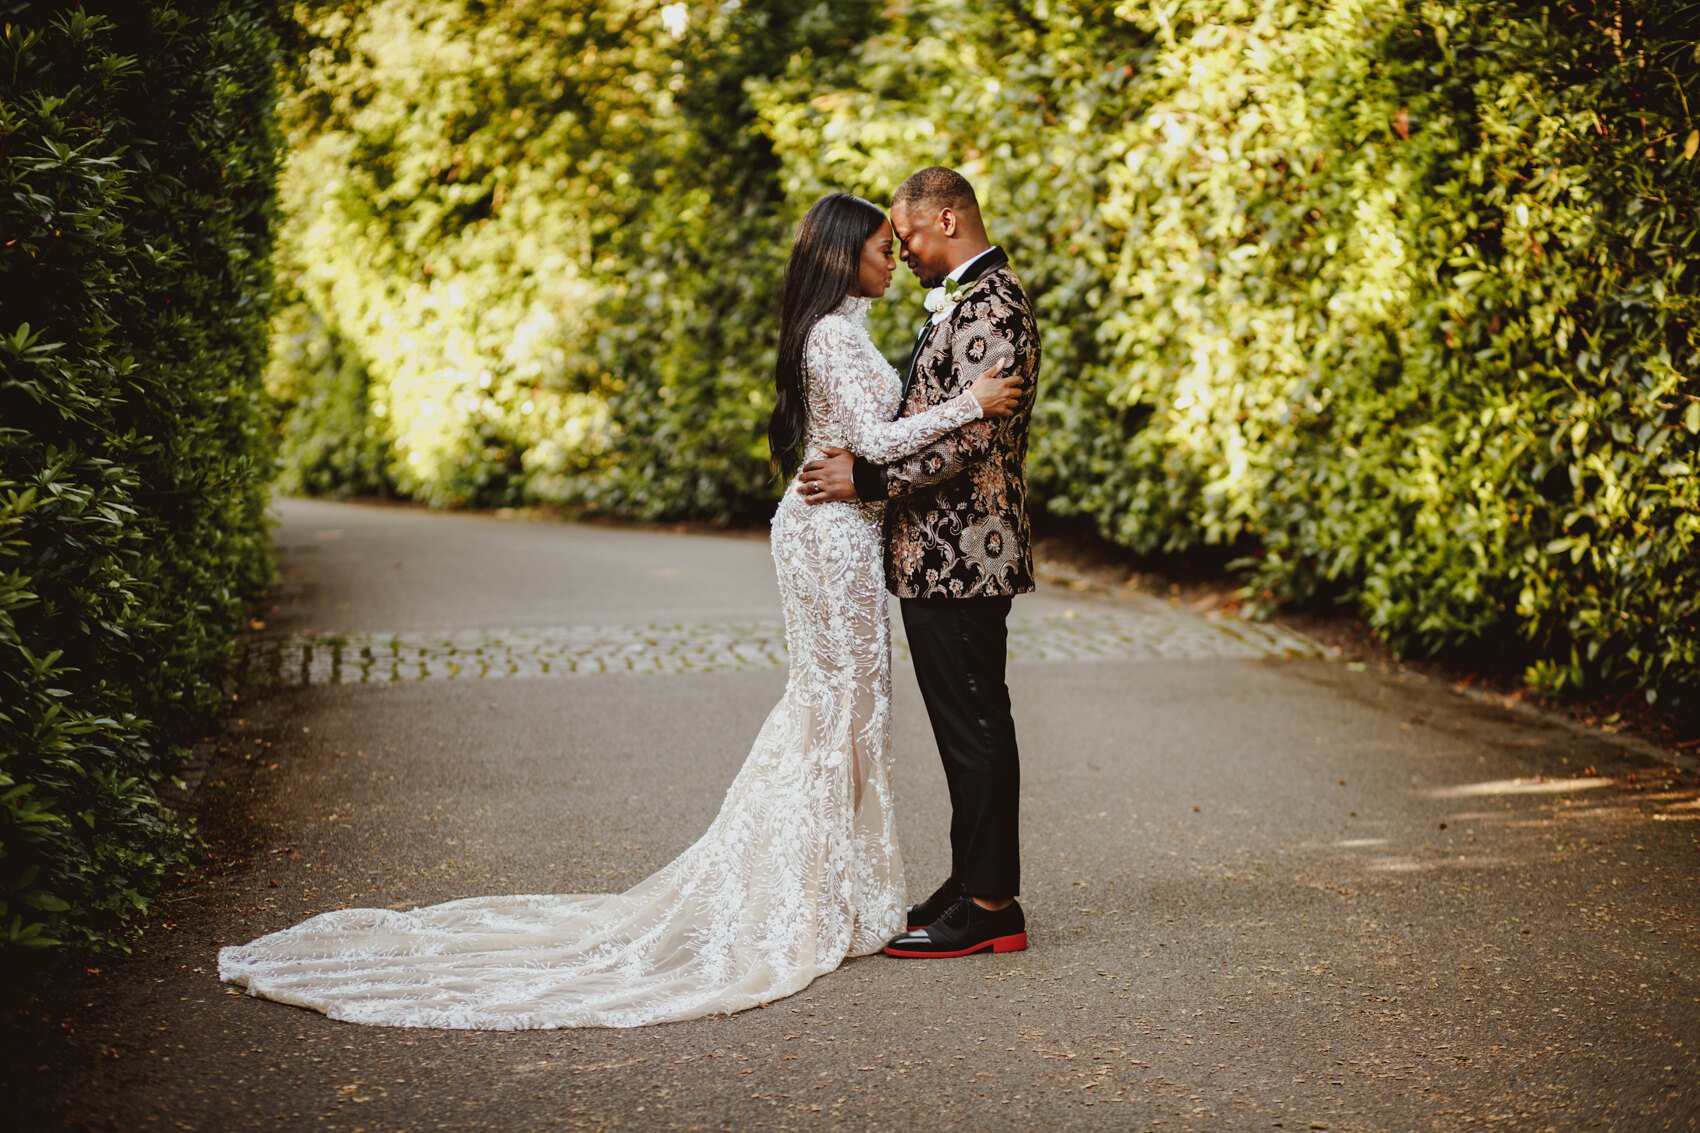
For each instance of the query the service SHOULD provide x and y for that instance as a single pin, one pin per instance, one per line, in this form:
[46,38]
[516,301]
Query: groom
[957,550]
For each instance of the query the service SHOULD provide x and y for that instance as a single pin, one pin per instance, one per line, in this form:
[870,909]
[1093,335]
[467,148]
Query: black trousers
[959,646]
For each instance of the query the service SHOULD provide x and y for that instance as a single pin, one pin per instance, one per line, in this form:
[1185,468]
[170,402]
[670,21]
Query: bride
[800,868]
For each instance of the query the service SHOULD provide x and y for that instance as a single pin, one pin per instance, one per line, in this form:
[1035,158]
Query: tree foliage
[136,171]
[538,228]
[1391,298]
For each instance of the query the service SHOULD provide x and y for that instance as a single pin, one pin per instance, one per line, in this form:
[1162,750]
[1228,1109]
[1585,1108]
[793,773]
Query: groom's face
[922,242]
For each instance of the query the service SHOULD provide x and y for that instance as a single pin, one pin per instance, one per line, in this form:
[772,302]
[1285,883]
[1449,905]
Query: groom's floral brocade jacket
[956,512]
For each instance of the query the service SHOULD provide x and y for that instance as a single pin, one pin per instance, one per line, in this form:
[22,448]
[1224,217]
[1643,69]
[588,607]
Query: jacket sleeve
[840,358]
[975,442]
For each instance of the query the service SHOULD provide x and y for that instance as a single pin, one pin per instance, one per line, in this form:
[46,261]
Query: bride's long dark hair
[825,258]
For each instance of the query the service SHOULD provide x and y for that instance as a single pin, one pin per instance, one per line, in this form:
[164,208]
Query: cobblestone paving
[1155,634]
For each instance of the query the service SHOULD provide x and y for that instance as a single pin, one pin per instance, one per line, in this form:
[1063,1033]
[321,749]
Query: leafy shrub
[322,393]
[136,171]
[547,259]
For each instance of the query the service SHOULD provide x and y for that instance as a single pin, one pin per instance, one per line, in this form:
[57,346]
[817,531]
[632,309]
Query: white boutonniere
[942,300]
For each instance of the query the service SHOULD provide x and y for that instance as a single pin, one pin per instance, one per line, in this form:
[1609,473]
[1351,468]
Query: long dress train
[800,868]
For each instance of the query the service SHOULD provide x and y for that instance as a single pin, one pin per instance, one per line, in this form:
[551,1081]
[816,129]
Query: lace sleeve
[975,347]
[840,358]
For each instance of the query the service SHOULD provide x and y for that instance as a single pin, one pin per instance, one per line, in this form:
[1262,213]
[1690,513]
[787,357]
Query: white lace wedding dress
[800,868]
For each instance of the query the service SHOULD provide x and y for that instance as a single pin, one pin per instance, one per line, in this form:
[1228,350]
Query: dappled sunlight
[1449,861]
[1526,821]
[1399,865]
[1538,785]
[1657,795]
[1625,811]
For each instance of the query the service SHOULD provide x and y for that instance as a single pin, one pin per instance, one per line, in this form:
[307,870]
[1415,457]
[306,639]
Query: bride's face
[873,270]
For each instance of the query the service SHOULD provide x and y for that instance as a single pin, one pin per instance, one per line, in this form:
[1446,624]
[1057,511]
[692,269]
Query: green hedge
[136,171]
[538,263]
[1392,300]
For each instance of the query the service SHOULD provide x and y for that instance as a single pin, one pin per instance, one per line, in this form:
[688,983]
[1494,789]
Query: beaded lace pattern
[800,868]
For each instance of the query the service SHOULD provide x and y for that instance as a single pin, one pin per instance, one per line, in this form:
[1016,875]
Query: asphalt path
[1267,891]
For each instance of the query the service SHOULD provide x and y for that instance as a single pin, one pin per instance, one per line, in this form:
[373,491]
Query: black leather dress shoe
[930,910]
[964,929]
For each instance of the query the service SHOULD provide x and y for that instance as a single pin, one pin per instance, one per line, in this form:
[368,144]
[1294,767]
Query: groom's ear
[947,221]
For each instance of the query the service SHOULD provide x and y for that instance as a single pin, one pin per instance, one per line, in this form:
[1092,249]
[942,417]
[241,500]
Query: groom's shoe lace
[934,907]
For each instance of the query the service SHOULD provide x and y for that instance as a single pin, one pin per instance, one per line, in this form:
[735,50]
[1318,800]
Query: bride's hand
[997,391]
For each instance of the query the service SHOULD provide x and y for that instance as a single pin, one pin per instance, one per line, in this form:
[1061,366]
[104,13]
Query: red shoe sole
[1014,943]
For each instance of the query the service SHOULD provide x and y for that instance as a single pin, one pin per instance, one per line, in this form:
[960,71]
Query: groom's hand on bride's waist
[829,478]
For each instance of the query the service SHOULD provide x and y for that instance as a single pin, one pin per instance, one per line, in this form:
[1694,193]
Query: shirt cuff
[869,479]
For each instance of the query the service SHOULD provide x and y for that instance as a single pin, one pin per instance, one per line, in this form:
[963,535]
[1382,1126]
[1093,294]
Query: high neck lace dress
[800,868]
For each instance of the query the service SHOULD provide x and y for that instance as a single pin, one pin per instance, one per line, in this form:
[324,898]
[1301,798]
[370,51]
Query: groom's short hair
[936,188]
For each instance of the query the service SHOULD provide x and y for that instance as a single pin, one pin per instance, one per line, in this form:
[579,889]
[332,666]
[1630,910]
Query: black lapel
[914,354]
[990,261]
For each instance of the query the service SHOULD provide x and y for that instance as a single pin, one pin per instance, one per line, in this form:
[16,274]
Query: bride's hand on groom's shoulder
[829,478]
